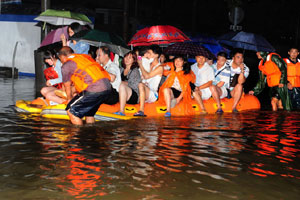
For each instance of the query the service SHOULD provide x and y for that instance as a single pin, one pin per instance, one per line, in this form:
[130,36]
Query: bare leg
[168,97]
[144,94]
[75,120]
[236,93]
[274,103]
[125,93]
[216,94]
[90,120]
[48,93]
[197,96]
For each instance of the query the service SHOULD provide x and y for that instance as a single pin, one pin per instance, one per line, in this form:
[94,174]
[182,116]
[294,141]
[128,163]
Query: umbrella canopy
[161,34]
[247,41]
[100,38]
[62,17]
[209,42]
[54,36]
[188,48]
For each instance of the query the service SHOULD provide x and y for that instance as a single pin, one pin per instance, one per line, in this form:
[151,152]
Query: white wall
[29,37]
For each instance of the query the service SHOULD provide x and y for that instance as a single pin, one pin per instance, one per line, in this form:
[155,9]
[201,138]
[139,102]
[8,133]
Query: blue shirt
[80,47]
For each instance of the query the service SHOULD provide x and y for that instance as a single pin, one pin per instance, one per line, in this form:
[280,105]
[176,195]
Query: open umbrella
[188,48]
[247,41]
[161,34]
[62,17]
[54,36]
[100,38]
[209,42]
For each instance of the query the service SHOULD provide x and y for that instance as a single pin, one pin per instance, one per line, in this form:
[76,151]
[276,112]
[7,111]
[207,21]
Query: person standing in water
[272,69]
[293,76]
[91,81]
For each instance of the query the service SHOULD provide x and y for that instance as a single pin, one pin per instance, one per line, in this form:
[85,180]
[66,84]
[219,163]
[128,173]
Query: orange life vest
[86,66]
[271,70]
[50,73]
[184,81]
[293,72]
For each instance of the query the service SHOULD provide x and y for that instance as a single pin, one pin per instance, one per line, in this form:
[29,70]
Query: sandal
[119,113]
[167,114]
[140,114]
[235,110]
[219,111]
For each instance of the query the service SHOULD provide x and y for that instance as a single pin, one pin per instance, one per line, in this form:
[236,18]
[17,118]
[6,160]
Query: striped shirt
[234,71]
[222,74]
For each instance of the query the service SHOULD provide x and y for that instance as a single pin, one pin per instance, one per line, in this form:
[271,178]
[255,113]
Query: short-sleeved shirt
[68,70]
[234,71]
[203,74]
[57,68]
[114,69]
[222,74]
[80,47]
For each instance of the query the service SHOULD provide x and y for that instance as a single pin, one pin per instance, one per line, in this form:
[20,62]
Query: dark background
[276,20]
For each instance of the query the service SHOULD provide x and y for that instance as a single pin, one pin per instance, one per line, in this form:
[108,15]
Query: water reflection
[251,155]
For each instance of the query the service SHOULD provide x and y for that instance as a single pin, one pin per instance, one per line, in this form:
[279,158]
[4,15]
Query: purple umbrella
[54,36]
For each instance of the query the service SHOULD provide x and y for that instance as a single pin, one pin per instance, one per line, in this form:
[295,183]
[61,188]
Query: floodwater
[251,155]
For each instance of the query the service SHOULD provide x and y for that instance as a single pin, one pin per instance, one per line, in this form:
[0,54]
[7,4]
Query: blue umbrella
[247,41]
[209,43]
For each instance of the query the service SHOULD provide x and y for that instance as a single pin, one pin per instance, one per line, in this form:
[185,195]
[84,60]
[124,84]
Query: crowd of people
[145,75]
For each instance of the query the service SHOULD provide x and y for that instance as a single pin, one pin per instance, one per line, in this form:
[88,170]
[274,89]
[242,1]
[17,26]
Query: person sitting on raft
[222,77]
[272,69]
[53,78]
[204,78]
[150,80]
[177,87]
[91,81]
[293,76]
[103,58]
[238,75]
[129,87]
[78,47]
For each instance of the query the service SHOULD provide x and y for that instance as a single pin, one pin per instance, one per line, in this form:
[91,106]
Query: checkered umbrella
[189,49]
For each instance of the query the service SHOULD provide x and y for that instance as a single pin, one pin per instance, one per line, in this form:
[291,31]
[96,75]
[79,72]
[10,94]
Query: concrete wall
[21,29]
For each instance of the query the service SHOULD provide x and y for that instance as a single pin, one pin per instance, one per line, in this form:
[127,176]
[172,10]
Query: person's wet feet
[235,110]
[119,113]
[167,114]
[140,114]
[219,111]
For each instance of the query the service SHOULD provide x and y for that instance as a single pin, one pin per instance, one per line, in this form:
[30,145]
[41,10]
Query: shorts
[113,98]
[133,98]
[87,103]
[152,97]
[274,92]
[205,93]
[176,93]
[224,92]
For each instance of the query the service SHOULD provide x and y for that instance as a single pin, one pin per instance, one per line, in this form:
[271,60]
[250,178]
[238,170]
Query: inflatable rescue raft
[105,112]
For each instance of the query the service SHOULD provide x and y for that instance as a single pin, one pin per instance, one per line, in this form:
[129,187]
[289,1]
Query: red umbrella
[161,34]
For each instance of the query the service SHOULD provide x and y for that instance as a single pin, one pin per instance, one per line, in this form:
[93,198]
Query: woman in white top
[52,84]
[149,86]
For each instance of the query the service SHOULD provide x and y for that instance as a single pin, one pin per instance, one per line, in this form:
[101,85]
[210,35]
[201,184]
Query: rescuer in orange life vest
[293,76]
[91,81]
[272,69]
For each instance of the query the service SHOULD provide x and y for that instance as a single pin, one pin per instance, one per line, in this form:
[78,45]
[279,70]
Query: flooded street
[250,155]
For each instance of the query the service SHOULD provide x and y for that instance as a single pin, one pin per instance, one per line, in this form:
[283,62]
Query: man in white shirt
[204,78]
[103,58]
[238,74]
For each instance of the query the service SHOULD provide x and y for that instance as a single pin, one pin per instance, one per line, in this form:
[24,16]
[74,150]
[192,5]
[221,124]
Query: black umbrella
[189,49]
